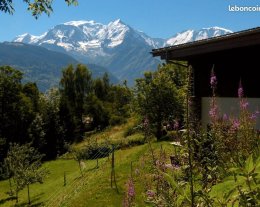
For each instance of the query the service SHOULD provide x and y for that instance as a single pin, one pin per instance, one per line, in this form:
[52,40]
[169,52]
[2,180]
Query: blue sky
[157,18]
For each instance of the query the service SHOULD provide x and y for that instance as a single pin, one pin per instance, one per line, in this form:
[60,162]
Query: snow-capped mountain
[195,35]
[86,35]
[116,46]
[86,38]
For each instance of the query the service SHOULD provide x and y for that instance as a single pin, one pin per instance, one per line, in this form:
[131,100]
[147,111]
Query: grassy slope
[93,189]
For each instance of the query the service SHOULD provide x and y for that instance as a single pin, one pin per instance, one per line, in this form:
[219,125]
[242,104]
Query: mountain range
[123,50]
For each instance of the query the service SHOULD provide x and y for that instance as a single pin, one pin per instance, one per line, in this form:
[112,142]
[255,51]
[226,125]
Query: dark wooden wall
[230,66]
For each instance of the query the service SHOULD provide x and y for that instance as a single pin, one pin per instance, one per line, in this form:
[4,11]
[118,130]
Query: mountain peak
[217,28]
[118,21]
[79,23]
[195,35]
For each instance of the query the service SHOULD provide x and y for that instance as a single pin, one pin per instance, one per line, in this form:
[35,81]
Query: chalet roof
[245,38]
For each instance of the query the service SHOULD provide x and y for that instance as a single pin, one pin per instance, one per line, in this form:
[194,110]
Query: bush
[171,136]
[132,130]
[130,141]
[115,120]
[94,151]
[98,152]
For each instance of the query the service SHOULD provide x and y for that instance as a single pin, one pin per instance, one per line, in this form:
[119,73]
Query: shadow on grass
[34,202]
[92,169]
[2,201]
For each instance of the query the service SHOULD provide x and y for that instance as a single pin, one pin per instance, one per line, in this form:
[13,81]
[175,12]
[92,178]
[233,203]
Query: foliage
[55,142]
[24,164]
[18,106]
[241,187]
[88,104]
[160,96]
[75,86]
[96,109]
[37,7]
[130,193]
[206,158]
[217,166]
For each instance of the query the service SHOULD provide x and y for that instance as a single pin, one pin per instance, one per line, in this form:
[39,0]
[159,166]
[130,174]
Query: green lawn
[93,189]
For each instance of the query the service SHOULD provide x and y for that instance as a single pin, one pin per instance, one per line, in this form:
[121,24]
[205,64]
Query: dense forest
[59,117]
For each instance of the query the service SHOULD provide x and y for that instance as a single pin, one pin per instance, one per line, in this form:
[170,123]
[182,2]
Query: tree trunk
[16,195]
[159,130]
[80,168]
[28,191]
[10,185]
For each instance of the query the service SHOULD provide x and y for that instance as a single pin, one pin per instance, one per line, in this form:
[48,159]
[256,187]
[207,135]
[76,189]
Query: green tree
[18,105]
[83,84]
[96,109]
[37,133]
[100,90]
[75,86]
[119,98]
[10,89]
[24,163]
[31,90]
[113,99]
[78,156]
[160,95]
[54,143]
[37,7]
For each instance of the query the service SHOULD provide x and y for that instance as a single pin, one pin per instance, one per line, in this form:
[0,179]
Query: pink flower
[225,117]
[253,116]
[213,80]
[146,122]
[235,124]
[130,194]
[244,104]
[240,90]
[213,112]
[131,189]
[176,125]
[150,193]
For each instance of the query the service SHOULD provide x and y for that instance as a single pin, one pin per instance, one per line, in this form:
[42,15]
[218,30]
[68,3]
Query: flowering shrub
[235,137]
[224,166]
[130,194]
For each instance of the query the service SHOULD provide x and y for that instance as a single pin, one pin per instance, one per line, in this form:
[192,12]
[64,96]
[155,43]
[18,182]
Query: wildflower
[176,125]
[213,80]
[130,194]
[235,125]
[240,90]
[146,122]
[244,104]
[150,193]
[253,116]
[225,117]
[131,189]
[213,112]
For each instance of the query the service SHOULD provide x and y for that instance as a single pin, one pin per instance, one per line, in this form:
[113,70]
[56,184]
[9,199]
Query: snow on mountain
[195,35]
[116,46]
[80,35]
